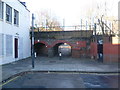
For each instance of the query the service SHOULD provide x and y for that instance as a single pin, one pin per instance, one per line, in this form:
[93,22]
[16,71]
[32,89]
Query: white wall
[22,30]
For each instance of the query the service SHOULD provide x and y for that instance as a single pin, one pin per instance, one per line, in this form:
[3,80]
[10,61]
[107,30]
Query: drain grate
[52,61]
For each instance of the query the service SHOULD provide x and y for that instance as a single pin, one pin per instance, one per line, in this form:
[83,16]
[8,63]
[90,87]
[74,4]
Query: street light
[102,24]
[33,40]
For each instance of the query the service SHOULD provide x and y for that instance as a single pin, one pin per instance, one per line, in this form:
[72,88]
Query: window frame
[8,13]
[2,10]
[16,17]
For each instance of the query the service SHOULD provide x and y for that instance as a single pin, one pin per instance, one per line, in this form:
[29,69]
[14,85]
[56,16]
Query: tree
[104,20]
[47,21]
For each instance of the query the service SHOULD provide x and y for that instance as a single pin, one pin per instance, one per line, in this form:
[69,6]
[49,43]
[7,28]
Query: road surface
[63,80]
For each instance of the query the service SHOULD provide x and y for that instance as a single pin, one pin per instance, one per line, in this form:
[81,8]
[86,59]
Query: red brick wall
[111,52]
[80,44]
[93,50]
[75,53]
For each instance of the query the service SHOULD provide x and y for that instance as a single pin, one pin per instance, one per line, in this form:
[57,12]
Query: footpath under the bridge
[67,64]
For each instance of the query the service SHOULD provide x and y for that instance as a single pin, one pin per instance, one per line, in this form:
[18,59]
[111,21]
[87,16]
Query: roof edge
[24,5]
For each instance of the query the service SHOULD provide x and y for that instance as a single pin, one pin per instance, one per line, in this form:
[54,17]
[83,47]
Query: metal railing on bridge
[65,28]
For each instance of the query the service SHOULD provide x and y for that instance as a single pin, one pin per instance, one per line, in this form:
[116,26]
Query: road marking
[9,81]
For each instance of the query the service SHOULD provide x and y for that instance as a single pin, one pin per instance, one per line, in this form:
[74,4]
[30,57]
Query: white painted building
[14,31]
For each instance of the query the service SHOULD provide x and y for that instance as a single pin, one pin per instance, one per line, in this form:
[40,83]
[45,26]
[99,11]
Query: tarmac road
[63,80]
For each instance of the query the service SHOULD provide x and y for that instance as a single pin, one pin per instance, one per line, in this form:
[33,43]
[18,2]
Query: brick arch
[61,41]
[43,42]
[40,48]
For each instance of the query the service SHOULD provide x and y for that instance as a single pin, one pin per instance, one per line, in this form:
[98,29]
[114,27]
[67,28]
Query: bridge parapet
[64,34]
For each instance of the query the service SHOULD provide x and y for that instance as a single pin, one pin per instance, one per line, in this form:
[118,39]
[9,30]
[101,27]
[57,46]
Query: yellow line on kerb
[9,81]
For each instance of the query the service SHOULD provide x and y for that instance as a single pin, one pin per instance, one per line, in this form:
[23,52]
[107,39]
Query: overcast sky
[73,10]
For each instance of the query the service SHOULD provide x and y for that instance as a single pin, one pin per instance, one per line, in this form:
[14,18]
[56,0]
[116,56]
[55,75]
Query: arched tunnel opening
[64,48]
[40,49]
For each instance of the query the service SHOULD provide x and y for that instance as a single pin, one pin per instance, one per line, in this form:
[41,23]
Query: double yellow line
[9,81]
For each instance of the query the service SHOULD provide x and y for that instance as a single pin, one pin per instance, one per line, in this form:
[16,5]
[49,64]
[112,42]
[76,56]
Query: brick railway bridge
[83,44]
[47,43]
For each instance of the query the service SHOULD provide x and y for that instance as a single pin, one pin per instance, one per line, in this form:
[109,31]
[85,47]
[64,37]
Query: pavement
[67,64]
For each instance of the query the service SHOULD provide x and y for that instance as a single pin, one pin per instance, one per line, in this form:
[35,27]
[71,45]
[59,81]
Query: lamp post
[102,24]
[33,40]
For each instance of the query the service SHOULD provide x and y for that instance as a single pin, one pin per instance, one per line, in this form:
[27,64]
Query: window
[1,10]
[1,44]
[9,43]
[8,13]
[16,17]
